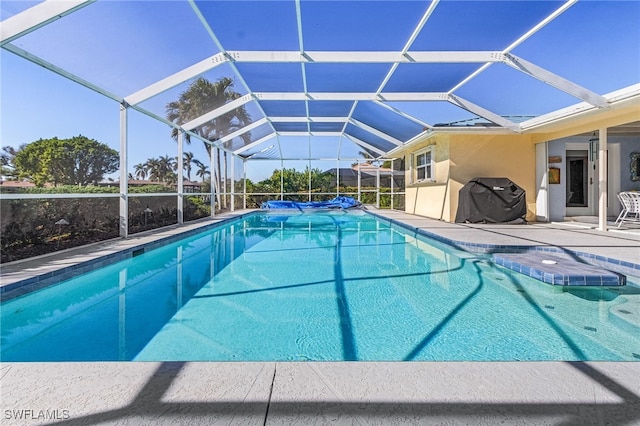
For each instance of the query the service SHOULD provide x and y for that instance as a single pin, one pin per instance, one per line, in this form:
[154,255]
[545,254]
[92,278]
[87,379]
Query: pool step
[558,270]
[629,312]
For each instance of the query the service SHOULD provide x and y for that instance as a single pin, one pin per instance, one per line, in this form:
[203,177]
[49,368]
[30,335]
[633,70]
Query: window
[423,165]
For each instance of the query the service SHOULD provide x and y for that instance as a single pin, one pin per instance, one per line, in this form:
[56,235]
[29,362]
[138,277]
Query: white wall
[558,192]
[542,182]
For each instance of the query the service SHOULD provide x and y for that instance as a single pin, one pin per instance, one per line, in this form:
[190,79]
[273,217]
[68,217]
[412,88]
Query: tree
[140,170]
[7,160]
[167,167]
[201,97]
[153,168]
[75,161]
[161,169]
[202,169]
[187,160]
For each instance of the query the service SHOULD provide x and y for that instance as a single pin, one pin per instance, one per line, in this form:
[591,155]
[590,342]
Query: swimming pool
[315,286]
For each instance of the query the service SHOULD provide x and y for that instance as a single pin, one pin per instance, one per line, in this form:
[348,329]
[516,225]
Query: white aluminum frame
[38,16]
[49,11]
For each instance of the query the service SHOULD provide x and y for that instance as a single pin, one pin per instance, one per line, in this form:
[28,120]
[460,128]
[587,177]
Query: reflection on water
[328,286]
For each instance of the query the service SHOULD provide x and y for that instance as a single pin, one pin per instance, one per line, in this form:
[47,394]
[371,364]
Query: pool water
[315,286]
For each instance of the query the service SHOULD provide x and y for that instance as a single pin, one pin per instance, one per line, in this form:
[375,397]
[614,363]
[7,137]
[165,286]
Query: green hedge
[29,226]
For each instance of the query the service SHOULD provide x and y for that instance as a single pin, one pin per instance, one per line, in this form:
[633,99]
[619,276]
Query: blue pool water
[315,286]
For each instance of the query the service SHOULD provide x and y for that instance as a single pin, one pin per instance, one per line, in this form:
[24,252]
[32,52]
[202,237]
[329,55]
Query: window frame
[428,166]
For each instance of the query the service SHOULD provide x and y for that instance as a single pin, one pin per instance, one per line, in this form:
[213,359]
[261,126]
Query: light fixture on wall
[594,145]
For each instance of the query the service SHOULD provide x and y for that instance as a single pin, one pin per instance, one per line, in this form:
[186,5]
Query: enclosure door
[580,177]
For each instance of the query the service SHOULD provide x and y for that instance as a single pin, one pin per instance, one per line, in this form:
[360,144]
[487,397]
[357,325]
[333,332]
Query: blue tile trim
[616,265]
[565,272]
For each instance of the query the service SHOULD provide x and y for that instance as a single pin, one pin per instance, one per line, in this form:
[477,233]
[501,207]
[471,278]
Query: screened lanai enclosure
[213,106]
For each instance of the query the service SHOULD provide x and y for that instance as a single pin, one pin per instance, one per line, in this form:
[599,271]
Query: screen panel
[358,25]
[481,25]
[252,25]
[97,43]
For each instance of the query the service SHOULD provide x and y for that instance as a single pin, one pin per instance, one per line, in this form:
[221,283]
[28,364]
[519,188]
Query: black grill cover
[491,200]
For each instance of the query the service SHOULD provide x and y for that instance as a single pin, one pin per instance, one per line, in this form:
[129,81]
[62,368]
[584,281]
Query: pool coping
[112,251]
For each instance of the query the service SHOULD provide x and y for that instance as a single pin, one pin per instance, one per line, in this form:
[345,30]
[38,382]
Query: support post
[214,184]
[359,180]
[224,181]
[602,179]
[233,183]
[309,181]
[281,180]
[337,178]
[391,182]
[124,177]
[180,177]
[378,187]
[244,184]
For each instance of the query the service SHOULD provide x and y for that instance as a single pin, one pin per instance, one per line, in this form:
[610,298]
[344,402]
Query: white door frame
[612,181]
[592,180]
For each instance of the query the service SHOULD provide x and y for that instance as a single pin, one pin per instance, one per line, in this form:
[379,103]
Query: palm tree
[140,171]
[153,168]
[167,166]
[201,97]
[187,160]
[202,169]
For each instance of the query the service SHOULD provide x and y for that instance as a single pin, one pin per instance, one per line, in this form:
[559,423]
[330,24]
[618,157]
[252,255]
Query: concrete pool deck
[385,393]
[316,393]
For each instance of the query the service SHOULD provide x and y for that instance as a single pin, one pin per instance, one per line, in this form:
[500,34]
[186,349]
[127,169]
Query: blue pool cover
[336,203]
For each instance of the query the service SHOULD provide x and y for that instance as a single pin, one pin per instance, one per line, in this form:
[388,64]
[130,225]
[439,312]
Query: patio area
[312,393]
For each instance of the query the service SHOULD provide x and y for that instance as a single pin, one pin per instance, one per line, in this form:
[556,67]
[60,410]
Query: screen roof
[376,74]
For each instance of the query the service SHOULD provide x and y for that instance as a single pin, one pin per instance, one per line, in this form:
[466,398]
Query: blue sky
[113,43]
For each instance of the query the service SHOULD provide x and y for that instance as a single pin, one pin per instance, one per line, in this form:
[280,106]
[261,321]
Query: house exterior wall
[461,157]
[430,199]
[509,156]
[619,178]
